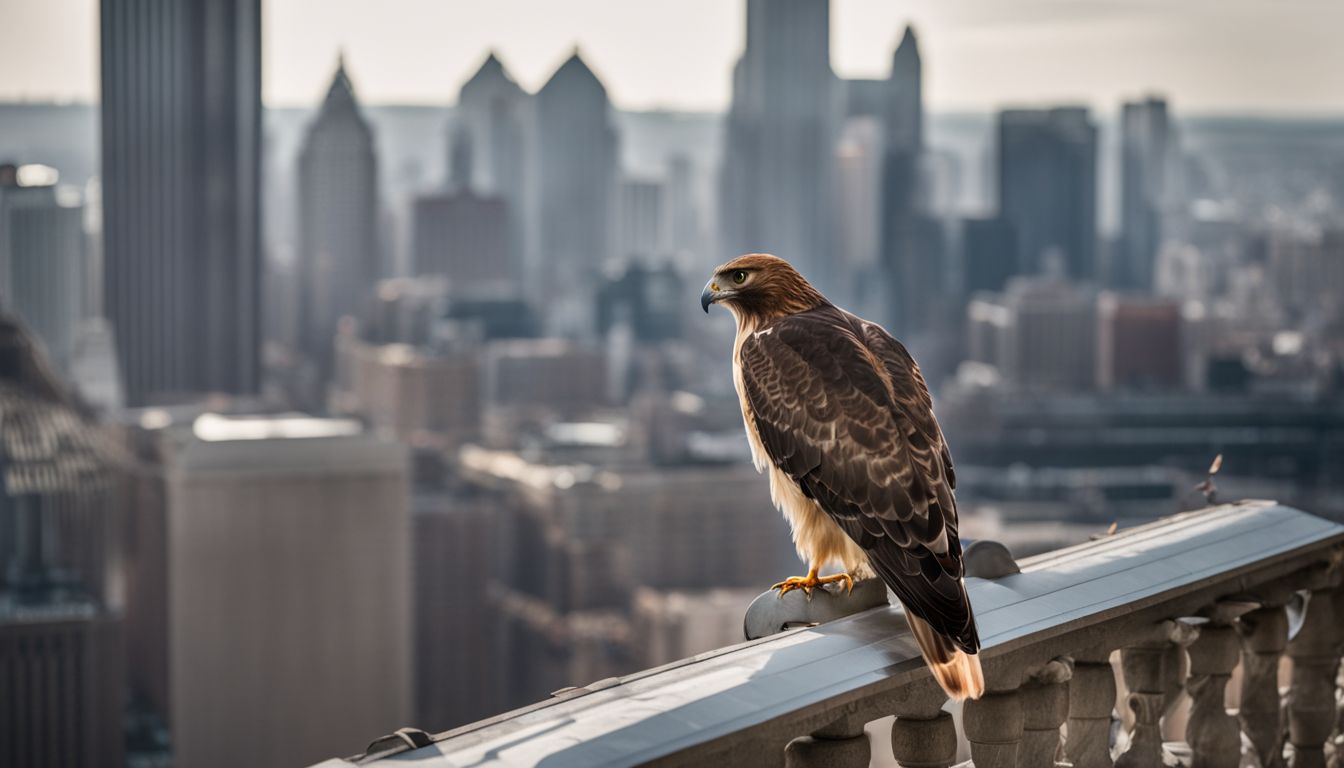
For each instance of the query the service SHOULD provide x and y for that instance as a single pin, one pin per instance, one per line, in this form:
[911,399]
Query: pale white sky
[1207,55]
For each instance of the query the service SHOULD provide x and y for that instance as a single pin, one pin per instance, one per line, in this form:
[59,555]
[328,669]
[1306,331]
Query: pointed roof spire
[575,68]
[341,92]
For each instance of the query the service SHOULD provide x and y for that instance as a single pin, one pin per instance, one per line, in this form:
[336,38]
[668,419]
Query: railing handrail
[728,704]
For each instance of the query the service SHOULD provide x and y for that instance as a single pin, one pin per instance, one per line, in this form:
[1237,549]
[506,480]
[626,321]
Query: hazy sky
[1207,55]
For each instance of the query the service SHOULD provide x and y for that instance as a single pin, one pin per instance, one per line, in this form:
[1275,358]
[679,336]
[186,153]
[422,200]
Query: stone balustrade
[1184,601]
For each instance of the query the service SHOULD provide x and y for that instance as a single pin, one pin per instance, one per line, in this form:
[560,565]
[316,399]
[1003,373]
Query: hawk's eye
[739,276]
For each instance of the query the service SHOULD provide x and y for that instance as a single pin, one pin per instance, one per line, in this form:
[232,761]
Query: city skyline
[985,58]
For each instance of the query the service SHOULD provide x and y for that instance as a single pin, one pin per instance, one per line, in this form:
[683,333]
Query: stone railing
[1184,601]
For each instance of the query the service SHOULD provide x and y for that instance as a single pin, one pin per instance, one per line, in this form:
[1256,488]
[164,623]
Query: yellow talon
[811,581]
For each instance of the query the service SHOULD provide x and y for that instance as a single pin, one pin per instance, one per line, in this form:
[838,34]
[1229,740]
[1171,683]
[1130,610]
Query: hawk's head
[760,286]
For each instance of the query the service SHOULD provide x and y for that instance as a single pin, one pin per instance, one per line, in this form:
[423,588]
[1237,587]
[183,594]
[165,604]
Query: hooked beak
[709,295]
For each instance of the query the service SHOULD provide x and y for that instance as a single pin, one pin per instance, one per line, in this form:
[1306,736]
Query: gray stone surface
[753,699]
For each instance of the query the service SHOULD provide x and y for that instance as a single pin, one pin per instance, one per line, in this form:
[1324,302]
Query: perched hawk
[838,411]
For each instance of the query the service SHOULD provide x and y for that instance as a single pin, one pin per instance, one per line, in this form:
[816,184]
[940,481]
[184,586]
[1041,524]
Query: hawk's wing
[871,455]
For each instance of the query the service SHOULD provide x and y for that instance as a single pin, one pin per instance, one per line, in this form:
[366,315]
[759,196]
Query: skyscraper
[338,220]
[491,128]
[42,258]
[1149,156]
[1048,187]
[578,166]
[181,131]
[904,122]
[776,175]
[260,629]
[61,700]
[912,243]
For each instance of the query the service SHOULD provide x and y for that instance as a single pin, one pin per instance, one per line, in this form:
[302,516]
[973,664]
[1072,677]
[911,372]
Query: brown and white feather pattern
[839,412]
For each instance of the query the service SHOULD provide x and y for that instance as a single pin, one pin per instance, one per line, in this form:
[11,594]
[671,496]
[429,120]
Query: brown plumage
[838,412]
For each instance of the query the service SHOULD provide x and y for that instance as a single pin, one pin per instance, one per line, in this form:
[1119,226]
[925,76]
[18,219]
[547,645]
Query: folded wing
[842,409]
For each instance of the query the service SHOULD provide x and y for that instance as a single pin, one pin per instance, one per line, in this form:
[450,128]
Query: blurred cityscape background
[320,421]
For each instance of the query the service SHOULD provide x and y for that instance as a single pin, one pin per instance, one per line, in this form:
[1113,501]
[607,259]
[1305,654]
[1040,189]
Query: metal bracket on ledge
[771,613]
[986,559]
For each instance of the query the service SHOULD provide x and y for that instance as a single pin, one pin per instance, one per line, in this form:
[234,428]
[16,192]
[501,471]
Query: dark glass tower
[181,130]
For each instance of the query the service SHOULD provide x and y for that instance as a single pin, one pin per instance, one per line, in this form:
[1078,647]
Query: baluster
[923,736]
[1214,735]
[993,725]
[1147,668]
[1091,704]
[1264,636]
[841,744]
[1311,699]
[1045,705]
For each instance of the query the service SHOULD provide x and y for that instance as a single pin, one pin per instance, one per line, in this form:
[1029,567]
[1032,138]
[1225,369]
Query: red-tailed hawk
[838,412]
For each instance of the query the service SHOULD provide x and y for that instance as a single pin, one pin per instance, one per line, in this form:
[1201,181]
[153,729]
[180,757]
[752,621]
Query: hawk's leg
[811,581]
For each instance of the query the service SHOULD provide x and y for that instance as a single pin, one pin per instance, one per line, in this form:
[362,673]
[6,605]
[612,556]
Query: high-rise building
[1149,161]
[904,123]
[301,642]
[42,258]
[988,254]
[577,174]
[338,220]
[463,237]
[775,180]
[61,703]
[913,244]
[1047,173]
[181,135]
[490,135]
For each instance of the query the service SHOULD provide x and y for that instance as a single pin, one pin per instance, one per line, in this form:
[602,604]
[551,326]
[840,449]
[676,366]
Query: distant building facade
[262,638]
[1139,344]
[339,259]
[1149,165]
[578,169]
[43,261]
[181,137]
[774,187]
[989,254]
[464,237]
[1047,188]
[61,658]
[490,134]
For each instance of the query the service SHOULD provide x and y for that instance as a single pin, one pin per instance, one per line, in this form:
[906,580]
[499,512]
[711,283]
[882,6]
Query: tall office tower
[578,168]
[490,134]
[1048,188]
[988,254]
[904,130]
[181,134]
[338,220]
[300,641]
[42,258]
[61,701]
[913,247]
[1149,162]
[774,191]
